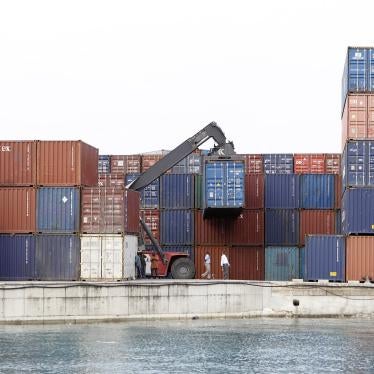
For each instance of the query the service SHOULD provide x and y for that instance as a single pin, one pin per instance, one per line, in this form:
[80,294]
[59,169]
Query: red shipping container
[111,180]
[109,211]
[247,229]
[254,163]
[126,164]
[151,217]
[17,210]
[254,191]
[338,191]
[215,258]
[309,163]
[247,263]
[18,163]
[316,222]
[359,258]
[210,231]
[66,163]
[370,116]
[333,161]
[149,160]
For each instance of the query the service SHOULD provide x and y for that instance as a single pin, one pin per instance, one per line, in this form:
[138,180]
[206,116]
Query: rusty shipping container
[313,222]
[215,258]
[247,263]
[247,229]
[333,161]
[254,191]
[17,163]
[212,231]
[254,163]
[17,210]
[66,163]
[359,258]
[126,164]
[111,180]
[309,163]
[151,158]
[151,217]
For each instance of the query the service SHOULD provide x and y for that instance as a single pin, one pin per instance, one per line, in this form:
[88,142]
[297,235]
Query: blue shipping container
[176,227]
[282,191]
[104,164]
[57,257]
[58,209]
[281,227]
[317,191]
[150,195]
[17,257]
[302,262]
[358,211]
[325,257]
[281,263]
[278,163]
[177,191]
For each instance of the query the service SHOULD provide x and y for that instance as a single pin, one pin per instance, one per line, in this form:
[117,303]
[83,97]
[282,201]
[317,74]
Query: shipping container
[254,163]
[177,191]
[316,222]
[131,248]
[309,163]
[338,191]
[281,263]
[66,163]
[58,209]
[189,165]
[212,231]
[177,226]
[111,180]
[247,229]
[57,257]
[281,227]
[17,257]
[359,258]
[278,163]
[215,258]
[150,195]
[254,191]
[125,164]
[317,191]
[198,191]
[325,258]
[104,164]
[302,262]
[358,211]
[91,256]
[149,159]
[333,161]
[17,210]
[247,263]
[151,217]
[338,224]
[282,191]
[18,163]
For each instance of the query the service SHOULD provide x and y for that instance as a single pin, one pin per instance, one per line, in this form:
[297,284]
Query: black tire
[183,268]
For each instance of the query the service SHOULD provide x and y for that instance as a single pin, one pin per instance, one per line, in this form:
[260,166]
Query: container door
[90,257]
[131,248]
[234,173]
[214,184]
[112,254]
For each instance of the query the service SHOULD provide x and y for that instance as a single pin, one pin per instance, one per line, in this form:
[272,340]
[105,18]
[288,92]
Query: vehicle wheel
[183,268]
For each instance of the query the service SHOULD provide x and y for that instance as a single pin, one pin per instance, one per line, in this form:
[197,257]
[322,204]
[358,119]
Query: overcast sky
[136,76]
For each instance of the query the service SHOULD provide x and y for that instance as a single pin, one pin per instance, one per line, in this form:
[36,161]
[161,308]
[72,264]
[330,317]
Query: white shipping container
[131,247]
[90,257]
[111,257]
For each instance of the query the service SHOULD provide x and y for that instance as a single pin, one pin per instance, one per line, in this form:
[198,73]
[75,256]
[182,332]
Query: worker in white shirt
[207,272]
[225,265]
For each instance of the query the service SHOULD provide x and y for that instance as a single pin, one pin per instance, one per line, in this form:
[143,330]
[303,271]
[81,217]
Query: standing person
[225,265]
[142,262]
[207,272]
[154,265]
[138,266]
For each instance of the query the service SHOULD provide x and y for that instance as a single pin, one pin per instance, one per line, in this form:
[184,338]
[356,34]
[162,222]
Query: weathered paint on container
[359,258]
[281,263]
[212,231]
[282,191]
[317,191]
[90,266]
[66,163]
[103,164]
[112,257]
[125,164]
[215,258]
[17,163]
[192,164]
[17,257]
[333,161]
[58,209]
[247,263]
[314,222]
[302,262]
[57,257]
[313,163]
[281,227]
[325,257]
[189,249]
[358,211]
[198,191]
[150,195]
[254,191]
[177,226]
[17,210]
[254,163]
[247,228]
[278,163]
[151,217]
[177,191]
[111,180]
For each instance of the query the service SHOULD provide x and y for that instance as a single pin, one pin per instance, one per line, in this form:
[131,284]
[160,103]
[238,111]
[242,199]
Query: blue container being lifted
[176,227]
[317,191]
[281,227]
[325,258]
[177,191]
[17,257]
[150,195]
[282,191]
[104,164]
[278,163]
[281,263]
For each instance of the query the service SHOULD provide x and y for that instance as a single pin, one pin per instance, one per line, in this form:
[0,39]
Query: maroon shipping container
[149,160]
[215,258]
[109,211]
[359,257]
[332,161]
[254,164]
[254,191]
[309,163]
[151,217]
[17,210]
[338,191]
[111,180]
[247,263]
[125,164]
[18,163]
[66,163]
[316,222]
[247,229]
[210,231]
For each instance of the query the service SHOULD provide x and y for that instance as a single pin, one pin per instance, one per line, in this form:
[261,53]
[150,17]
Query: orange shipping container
[215,257]
[359,257]
[125,164]
[151,217]
[309,163]
[150,159]
[111,180]
[247,263]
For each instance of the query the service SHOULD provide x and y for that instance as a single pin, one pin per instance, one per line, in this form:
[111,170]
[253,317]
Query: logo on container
[6,148]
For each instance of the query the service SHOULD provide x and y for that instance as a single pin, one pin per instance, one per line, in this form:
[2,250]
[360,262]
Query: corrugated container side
[17,257]
[177,226]
[278,163]
[338,224]
[17,210]
[104,164]
[125,164]
[17,163]
[355,118]
[212,231]
[338,191]
[177,191]
[150,195]
[198,191]
[254,191]
[151,217]
[58,209]
[247,229]
[247,263]
[282,191]
[325,257]
[309,163]
[281,263]
[132,204]
[111,180]
[189,165]
[316,222]
[150,160]
[112,252]
[317,191]
[333,163]
[355,164]
[180,248]
[282,227]
[359,258]
[57,257]
[302,262]
[254,163]
[215,258]
[130,250]
[371,107]
[90,257]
